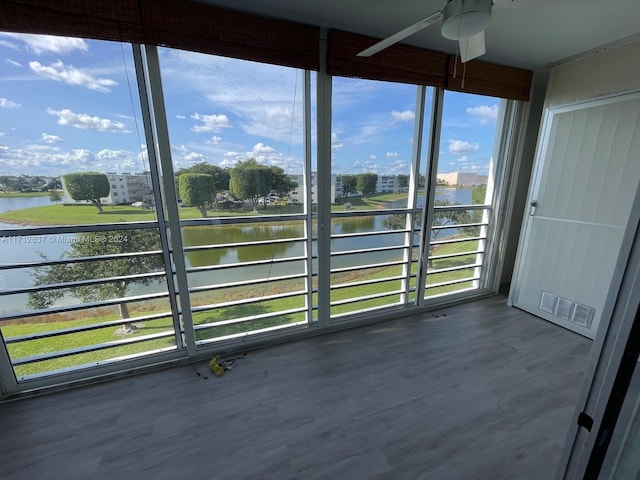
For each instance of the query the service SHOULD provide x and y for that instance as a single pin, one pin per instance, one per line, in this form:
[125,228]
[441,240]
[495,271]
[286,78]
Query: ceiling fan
[462,20]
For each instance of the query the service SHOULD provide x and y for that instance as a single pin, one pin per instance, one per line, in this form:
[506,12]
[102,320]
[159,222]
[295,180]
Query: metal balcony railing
[371,268]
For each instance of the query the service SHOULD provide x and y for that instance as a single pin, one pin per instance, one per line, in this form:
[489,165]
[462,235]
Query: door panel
[585,179]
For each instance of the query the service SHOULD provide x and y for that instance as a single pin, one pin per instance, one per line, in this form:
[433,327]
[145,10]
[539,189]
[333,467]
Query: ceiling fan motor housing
[465,18]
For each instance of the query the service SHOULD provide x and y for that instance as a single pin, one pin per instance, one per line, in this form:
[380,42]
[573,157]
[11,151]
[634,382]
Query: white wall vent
[583,315]
[564,308]
[548,302]
[567,309]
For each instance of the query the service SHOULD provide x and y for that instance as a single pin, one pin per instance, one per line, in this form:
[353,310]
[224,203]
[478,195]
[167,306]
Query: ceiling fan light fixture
[465,18]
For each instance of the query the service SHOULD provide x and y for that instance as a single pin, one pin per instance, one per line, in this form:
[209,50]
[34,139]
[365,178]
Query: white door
[585,178]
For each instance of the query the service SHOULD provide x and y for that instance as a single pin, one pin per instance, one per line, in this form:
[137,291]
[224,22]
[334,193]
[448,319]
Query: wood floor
[476,391]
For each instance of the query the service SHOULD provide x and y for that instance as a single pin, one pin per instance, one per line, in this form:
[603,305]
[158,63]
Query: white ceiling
[533,34]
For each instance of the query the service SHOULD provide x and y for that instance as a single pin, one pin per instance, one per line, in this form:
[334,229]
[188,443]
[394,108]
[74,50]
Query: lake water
[21,252]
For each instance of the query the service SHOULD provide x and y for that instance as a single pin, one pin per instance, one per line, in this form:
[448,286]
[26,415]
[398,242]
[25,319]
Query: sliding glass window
[463,200]
[244,188]
[82,274]
[377,193]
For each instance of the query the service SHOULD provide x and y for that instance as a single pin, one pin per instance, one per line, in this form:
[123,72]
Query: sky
[69,104]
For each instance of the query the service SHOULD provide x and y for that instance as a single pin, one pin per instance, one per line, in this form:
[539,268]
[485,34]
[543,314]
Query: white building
[295,196]
[462,179]
[387,184]
[125,188]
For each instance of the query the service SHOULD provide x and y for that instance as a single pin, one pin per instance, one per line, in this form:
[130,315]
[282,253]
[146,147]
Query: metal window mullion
[508,139]
[158,138]
[430,192]
[499,147]
[323,96]
[307,188]
[412,196]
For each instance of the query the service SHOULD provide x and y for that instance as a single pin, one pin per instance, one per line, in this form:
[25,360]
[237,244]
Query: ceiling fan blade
[472,47]
[401,35]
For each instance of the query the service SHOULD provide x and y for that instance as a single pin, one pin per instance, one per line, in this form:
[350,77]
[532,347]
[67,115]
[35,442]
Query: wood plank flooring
[475,391]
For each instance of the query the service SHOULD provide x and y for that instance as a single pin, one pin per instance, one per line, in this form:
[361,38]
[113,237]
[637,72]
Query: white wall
[610,70]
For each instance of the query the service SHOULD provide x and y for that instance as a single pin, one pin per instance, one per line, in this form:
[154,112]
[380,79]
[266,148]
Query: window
[376,197]
[82,282]
[460,221]
[237,137]
[233,217]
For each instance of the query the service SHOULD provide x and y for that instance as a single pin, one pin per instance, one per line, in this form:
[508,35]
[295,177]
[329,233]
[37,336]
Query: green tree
[91,186]
[349,183]
[220,175]
[403,181]
[53,184]
[478,197]
[55,195]
[281,183]
[98,244]
[366,183]
[197,189]
[250,181]
[397,221]
[447,218]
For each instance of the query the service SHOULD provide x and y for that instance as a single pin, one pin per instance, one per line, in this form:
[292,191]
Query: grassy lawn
[76,215]
[369,202]
[59,214]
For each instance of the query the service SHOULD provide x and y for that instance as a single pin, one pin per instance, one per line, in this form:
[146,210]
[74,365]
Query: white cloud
[392,155]
[215,140]
[40,44]
[210,123]
[6,103]
[49,159]
[85,121]
[180,117]
[336,143]
[13,62]
[228,162]
[460,147]
[263,100]
[397,167]
[60,72]
[46,138]
[195,157]
[373,157]
[7,44]
[404,116]
[108,154]
[463,159]
[272,121]
[485,114]
[262,148]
